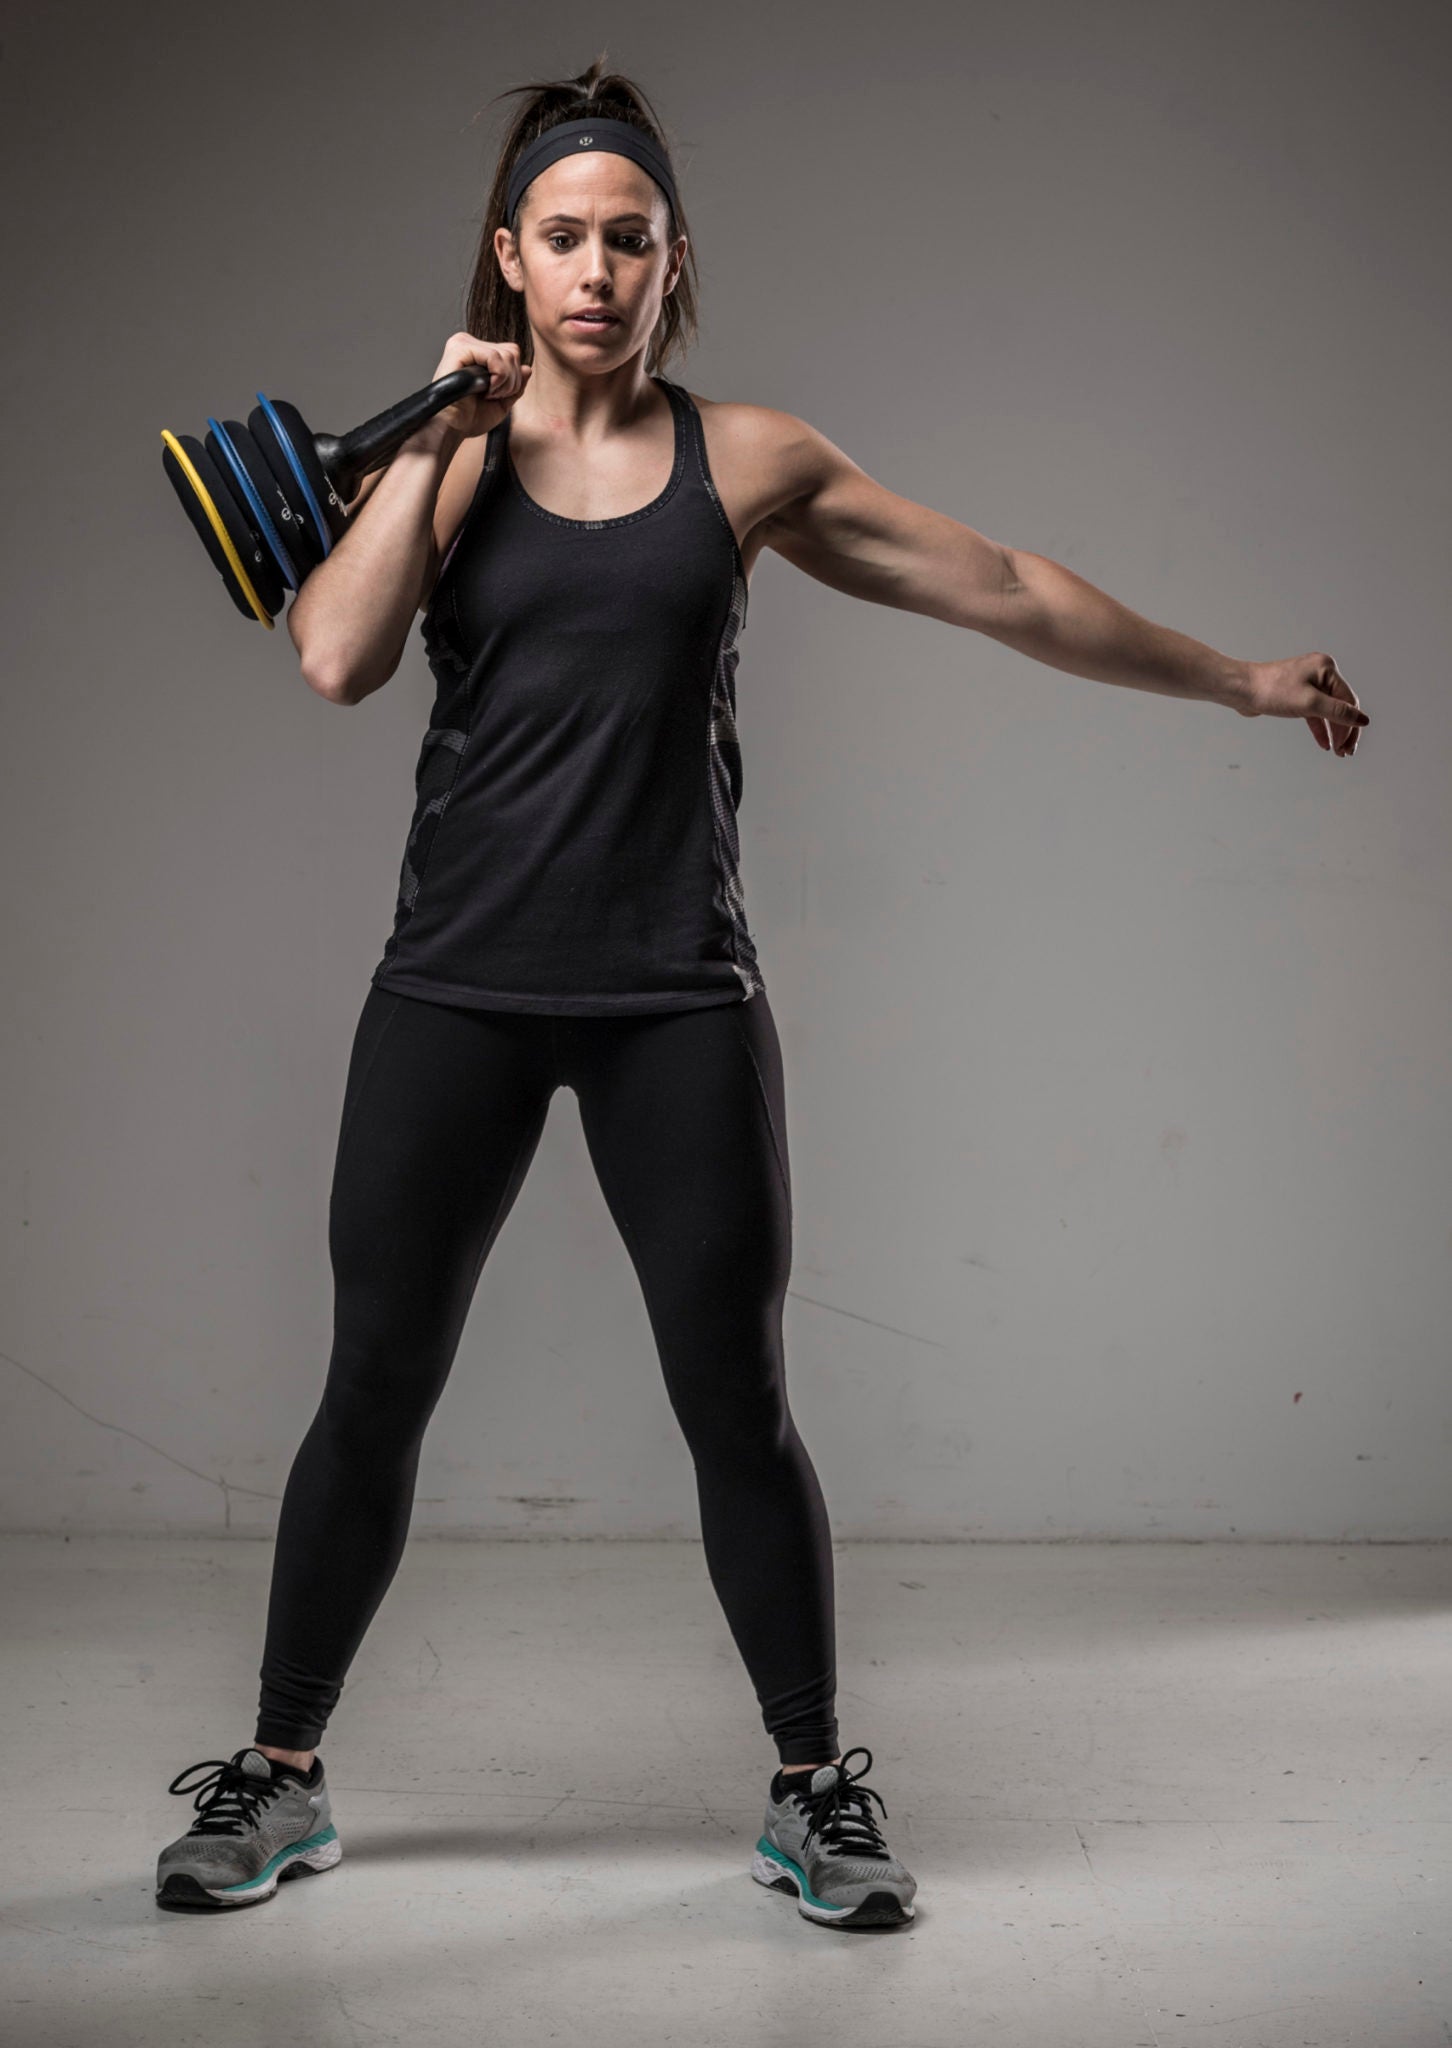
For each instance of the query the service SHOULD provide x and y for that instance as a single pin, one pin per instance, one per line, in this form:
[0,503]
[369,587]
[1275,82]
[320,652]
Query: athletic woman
[570,913]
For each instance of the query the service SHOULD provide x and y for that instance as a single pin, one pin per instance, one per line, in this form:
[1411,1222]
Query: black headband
[568,138]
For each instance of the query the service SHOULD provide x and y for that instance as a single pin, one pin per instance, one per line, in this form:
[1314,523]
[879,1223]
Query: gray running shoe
[821,1841]
[258,1822]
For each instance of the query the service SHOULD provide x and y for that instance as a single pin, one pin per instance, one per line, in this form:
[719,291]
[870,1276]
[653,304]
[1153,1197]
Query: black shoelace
[228,1801]
[843,1819]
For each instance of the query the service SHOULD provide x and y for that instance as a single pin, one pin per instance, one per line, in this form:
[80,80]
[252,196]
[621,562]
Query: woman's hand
[1308,686]
[476,414]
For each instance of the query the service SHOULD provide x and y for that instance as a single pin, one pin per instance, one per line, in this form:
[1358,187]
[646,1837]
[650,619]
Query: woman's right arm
[351,618]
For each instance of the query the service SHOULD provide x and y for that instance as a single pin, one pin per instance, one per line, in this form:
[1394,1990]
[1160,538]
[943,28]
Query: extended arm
[842,527]
[1067,623]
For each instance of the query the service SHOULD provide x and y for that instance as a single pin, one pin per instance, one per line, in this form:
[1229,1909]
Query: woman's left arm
[842,527]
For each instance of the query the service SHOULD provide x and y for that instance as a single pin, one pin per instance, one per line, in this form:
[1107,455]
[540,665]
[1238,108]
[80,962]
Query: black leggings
[684,1117]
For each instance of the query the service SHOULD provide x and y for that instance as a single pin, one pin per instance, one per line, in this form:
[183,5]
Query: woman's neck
[587,410]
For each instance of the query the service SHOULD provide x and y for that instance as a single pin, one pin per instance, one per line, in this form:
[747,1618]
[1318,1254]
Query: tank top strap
[688,427]
[493,446]
[698,467]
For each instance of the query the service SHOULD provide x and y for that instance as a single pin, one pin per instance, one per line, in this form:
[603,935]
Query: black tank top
[574,846]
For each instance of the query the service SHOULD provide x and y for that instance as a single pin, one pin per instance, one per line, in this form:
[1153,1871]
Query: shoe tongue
[256,1765]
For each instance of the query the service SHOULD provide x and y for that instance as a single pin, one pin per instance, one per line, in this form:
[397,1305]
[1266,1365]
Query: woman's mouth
[594,320]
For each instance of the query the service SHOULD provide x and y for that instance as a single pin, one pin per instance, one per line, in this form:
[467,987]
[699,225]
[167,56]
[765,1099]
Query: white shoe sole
[317,1852]
[776,1870]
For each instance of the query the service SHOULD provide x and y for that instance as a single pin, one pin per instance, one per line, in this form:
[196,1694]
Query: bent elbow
[335,688]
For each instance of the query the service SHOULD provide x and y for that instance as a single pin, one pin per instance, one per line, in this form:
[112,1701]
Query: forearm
[1056,617]
[350,620]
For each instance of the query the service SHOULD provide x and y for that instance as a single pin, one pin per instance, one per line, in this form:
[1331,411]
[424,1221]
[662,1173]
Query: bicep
[842,527]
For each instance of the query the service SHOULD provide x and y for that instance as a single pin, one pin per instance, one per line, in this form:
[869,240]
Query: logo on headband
[585,140]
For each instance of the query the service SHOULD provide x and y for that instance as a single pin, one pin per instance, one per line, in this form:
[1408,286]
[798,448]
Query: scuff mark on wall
[854,1317]
[226,1486]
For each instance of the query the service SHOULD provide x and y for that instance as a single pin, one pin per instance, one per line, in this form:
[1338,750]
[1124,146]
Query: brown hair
[496,313]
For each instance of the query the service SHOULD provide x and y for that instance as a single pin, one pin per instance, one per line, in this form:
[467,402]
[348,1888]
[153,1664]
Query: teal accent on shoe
[774,1855]
[247,1884]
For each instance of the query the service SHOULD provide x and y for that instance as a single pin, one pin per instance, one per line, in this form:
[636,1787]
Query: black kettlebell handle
[348,458]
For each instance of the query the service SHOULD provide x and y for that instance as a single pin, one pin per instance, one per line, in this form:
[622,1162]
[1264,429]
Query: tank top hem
[470,998]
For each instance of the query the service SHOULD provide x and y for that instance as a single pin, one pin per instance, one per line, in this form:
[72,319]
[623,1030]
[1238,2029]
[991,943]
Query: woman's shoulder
[760,440]
[782,454]
[744,421]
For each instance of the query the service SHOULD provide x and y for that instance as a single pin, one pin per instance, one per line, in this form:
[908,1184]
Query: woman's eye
[642,241]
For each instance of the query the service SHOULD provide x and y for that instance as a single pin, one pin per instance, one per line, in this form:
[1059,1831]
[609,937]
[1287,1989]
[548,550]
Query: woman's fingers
[1312,687]
[1347,718]
[508,377]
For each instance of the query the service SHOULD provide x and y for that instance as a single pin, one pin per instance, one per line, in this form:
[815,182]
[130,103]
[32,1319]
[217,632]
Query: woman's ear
[506,255]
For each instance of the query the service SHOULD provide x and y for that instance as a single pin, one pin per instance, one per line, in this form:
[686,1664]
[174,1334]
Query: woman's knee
[380,1396]
[732,1409]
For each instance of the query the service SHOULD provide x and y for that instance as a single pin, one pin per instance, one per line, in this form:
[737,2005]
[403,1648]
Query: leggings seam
[383,1030]
[766,1105]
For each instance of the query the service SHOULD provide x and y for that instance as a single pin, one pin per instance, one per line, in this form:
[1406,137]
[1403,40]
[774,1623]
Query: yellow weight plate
[218,526]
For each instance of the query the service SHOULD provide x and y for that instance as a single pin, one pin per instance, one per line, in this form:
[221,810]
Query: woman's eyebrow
[571,221]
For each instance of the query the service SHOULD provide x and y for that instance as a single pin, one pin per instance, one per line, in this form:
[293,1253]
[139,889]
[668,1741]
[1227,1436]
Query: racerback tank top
[574,846]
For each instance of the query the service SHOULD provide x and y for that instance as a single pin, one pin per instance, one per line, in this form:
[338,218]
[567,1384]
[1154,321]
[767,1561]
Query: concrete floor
[1153,1794]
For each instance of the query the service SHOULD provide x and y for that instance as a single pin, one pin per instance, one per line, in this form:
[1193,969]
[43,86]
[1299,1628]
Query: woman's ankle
[300,1759]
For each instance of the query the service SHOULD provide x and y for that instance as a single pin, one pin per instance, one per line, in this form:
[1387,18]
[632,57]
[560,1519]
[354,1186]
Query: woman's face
[592,233]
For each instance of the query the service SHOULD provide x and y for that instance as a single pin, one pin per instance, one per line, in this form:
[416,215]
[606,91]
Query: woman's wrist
[434,437]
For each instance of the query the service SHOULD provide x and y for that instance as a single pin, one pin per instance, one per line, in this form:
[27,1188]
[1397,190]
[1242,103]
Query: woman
[570,913]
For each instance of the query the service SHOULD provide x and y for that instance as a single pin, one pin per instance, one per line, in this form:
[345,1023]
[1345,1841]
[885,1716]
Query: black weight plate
[312,541]
[227,512]
[262,564]
[223,446]
[300,434]
[276,500]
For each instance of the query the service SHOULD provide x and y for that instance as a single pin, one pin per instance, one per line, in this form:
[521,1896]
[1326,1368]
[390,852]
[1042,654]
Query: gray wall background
[1116,1029]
